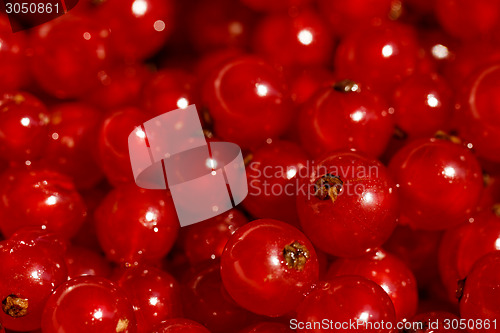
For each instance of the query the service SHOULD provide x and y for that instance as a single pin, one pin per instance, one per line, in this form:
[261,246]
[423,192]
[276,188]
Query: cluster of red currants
[371,129]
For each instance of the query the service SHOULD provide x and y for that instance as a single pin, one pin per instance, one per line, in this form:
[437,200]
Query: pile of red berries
[371,133]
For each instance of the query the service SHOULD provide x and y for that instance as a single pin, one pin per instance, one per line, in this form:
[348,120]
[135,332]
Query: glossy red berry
[24,121]
[468,18]
[294,38]
[379,54]
[88,304]
[207,302]
[206,240]
[31,271]
[139,27]
[155,296]
[81,261]
[481,294]
[436,322]
[345,116]
[347,204]
[268,266]
[344,299]
[479,118]
[423,105]
[73,132]
[179,325]
[267,327]
[387,271]
[462,246]
[305,81]
[113,145]
[45,199]
[248,101]
[147,222]
[439,183]
[69,69]
[13,69]
[273,175]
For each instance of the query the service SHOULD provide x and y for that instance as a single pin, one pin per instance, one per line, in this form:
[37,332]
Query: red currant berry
[480,119]
[13,69]
[113,145]
[343,15]
[423,105]
[120,86]
[388,272]
[218,24]
[268,266]
[73,131]
[248,101]
[439,183]
[67,55]
[481,294]
[169,89]
[81,261]
[180,325]
[343,116]
[139,27]
[88,304]
[207,302]
[344,299]
[461,247]
[266,327]
[23,126]
[348,204]
[45,199]
[468,18]
[305,81]
[205,241]
[147,222]
[213,60]
[294,38]
[435,322]
[154,294]
[31,271]
[271,6]
[272,177]
[379,55]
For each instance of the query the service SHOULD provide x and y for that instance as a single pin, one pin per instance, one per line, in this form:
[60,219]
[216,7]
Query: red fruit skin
[13,71]
[294,39]
[481,295]
[423,105]
[387,271]
[180,325]
[73,132]
[113,151]
[272,177]
[478,117]
[266,327]
[154,294]
[31,269]
[207,302]
[367,202]
[42,199]
[437,322]
[346,298]
[88,304]
[69,69]
[305,81]
[379,55]
[278,5]
[24,121]
[467,19]
[462,246]
[147,222]
[205,241]
[333,120]
[248,101]
[255,273]
[139,29]
[81,261]
[439,182]
[212,60]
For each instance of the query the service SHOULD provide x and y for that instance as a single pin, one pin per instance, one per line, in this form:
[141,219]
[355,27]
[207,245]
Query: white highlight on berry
[440,51]
[140,133]
[497,244]
[182,103]
[449,172]
[305,37]
[51,200]
[25,121]
[358,115]
[159,25]
[291,172]
[262,90]
[432,101]
[387,51]
[139,7]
